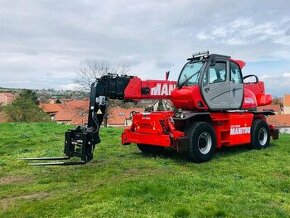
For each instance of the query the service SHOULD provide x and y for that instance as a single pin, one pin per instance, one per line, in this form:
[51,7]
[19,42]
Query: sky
[43,43]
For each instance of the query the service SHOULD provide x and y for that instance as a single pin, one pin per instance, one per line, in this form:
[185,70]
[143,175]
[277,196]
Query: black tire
[201,142]
[260,134]
[150,149]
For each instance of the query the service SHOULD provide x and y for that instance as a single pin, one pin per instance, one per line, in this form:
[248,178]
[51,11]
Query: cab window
[215,74]
[236,75]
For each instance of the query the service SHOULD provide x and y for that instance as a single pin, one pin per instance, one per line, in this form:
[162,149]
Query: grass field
[121,182]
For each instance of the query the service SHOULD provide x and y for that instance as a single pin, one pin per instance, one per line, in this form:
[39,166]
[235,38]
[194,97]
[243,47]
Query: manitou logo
[162,89]
[238,130]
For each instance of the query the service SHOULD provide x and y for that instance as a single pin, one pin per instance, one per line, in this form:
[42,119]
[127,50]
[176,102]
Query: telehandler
[215,107]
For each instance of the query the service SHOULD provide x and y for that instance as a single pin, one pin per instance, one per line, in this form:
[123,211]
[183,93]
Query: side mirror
[250,79]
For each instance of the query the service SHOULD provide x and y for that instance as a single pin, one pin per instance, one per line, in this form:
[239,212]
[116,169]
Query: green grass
[121,182]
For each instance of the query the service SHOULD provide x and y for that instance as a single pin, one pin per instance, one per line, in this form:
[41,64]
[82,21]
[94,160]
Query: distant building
[286,104]
[281,121]
[51,109]
[272,107]
[69,112]
[74,112]
[6,98]
[118,116]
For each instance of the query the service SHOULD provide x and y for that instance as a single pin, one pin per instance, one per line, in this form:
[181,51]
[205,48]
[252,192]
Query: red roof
[279,120]
[274,107]
[74,112]
[8,94]
[6,97]
[51,108]
[118,115]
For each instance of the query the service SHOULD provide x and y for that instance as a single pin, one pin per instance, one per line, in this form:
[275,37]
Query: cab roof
[206,54]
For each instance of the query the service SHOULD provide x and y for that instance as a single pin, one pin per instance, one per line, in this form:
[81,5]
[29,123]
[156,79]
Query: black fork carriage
[81,141]
[78,143]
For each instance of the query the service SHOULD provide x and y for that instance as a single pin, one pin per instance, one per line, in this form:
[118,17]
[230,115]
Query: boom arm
[81,141]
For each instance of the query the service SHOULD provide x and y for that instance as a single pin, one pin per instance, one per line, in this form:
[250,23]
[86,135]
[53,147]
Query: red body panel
[232,128]
[188,98]
[249,100]
[239,62]
[154,128]
[258,89]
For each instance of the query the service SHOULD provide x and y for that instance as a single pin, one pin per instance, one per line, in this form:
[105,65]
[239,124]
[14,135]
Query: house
[73,112]
[51,109]
[281,121]
[76,112]
[6,98]
[276,108]
[286,104]
[118,116]
[69,112]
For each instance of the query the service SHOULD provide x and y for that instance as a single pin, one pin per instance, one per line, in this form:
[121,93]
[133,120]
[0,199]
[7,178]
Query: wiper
[187,79]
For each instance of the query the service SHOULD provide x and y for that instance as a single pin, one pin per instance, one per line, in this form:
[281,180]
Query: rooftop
[118,115]
[279,120]
[51,108]
[273,107]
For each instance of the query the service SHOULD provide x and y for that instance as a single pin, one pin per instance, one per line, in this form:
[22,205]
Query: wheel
[150,149]
[260,134]
[201,142]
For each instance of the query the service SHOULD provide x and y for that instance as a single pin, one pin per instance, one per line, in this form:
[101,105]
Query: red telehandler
[215,107]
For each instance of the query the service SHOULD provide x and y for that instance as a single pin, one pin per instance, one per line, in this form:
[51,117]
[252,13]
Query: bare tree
[89,71]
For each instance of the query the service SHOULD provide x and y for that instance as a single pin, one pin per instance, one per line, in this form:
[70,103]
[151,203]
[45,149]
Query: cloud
[244,31]
[286,75]
[44,42]
[70,86]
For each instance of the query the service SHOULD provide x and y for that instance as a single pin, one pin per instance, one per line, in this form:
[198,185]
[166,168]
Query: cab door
[215,85]
[236,86]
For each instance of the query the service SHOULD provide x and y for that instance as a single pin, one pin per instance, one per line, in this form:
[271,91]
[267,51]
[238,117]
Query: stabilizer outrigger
[81,141]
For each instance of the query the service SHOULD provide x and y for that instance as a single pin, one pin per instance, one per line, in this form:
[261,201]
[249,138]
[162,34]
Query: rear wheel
[260,134]
[150,149]
[201,142]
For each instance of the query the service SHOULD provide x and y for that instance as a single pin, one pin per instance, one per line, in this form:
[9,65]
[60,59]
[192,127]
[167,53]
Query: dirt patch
[14,179]
[5,203]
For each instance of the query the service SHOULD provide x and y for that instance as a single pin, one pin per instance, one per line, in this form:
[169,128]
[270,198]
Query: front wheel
[201,142]
[260,134]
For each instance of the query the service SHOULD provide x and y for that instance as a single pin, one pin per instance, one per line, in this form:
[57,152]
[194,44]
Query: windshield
[190,74]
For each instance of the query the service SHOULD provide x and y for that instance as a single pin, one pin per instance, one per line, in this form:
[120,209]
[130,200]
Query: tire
[201,142]
[260,134]
[150,149]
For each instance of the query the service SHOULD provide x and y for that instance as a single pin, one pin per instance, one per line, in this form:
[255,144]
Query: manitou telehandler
[215,107]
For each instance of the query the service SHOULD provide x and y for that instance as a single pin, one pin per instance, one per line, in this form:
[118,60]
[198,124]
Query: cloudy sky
[43,43]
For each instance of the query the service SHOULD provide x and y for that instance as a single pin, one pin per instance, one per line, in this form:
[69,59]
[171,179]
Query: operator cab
[219,79]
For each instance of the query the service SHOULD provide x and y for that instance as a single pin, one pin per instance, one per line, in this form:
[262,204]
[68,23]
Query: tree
[25,108]
[89,71]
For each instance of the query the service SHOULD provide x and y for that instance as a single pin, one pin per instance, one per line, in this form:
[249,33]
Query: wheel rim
[263,136]
[204,142]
